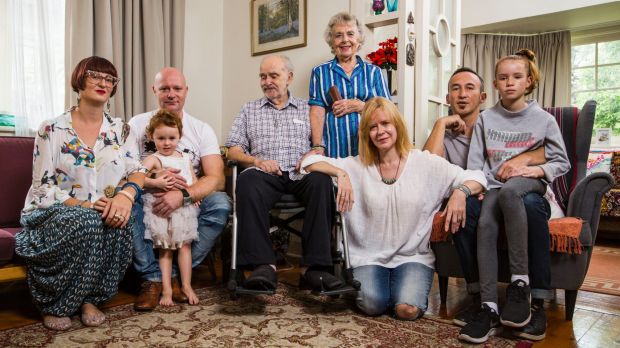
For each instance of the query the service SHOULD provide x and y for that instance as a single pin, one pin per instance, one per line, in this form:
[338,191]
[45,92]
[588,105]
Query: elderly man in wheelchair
[268,138]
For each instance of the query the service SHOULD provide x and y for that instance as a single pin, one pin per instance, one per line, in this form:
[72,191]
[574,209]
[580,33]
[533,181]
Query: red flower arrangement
[386,57]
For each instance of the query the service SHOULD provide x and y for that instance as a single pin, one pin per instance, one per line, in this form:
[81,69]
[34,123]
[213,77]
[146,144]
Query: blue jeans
[214,211]
[539,258]
[383,288]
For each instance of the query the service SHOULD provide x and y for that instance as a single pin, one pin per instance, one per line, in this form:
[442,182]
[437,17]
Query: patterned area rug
[289,318]
[603,274]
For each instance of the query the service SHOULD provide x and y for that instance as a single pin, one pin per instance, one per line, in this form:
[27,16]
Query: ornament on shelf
[378,6]
[410,49]
[392,5]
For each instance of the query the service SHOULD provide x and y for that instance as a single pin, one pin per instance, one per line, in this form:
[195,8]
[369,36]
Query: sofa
[15,180]
[609,226]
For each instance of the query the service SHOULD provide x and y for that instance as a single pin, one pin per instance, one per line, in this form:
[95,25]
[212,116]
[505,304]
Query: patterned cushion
[566,117]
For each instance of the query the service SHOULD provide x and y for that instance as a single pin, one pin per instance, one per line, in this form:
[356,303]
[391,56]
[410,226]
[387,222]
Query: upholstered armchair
[578,195]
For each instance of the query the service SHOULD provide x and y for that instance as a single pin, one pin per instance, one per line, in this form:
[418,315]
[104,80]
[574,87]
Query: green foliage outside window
[596,75]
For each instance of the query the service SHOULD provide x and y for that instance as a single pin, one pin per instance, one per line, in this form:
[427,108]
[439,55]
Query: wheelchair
[289,204]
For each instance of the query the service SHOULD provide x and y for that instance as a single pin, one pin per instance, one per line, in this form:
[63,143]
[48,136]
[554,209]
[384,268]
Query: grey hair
[288,64]
[342,18]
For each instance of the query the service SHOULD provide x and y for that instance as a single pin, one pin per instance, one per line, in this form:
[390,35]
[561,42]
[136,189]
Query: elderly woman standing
[335,122]
[77,236]
[398,191]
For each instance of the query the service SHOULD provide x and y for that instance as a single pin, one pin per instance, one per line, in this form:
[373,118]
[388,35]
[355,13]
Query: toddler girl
[181,228]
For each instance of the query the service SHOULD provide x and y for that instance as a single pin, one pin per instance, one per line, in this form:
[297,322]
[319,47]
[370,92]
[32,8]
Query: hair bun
[527,53]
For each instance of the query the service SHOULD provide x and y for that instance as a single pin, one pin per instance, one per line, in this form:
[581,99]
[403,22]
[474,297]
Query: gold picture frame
[277,25]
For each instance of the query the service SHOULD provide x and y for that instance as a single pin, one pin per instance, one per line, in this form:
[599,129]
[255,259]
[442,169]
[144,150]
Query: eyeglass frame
[102,77]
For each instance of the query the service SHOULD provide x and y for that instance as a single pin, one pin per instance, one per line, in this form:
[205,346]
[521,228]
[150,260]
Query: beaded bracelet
[319,146]
[463,188]
[135,186]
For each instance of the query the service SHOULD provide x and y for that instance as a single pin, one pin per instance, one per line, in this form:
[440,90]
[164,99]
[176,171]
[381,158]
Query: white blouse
[65,167]
[390,225]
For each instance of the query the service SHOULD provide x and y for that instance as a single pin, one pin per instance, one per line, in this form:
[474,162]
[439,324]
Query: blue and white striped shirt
[366,82]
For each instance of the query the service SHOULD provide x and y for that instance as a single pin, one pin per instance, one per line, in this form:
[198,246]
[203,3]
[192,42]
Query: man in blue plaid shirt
[268,137]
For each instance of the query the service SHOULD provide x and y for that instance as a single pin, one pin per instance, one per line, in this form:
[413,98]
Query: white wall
[240,81]
[203,60]
[503,10]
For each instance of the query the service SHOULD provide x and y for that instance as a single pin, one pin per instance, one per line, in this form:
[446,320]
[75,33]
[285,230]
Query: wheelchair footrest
[243,291]
[346,289]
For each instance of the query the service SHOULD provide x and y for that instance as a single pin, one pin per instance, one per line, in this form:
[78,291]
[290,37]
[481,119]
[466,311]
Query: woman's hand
[117,211]
[164,182]
[346,106]
[455,212]
[344,198]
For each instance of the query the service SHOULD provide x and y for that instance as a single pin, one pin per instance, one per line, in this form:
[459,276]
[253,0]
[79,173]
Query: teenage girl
[513,126]
[180,229]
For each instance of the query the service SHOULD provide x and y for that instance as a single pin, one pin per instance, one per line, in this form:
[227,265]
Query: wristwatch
[187,199]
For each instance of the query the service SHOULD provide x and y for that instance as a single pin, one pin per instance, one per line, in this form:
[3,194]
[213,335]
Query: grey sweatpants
[507,203]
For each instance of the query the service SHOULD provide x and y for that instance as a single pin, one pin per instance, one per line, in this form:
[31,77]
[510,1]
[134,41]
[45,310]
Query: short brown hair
[93,63]
[367,149]
[166,118]
[528,57]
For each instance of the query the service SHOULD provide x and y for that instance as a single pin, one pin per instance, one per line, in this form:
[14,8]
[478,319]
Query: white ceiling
[583,18]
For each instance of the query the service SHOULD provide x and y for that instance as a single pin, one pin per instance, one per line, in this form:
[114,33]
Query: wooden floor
[596,322]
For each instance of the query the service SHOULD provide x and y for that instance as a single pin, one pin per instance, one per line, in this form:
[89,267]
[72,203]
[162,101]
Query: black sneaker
[536,328]
[516,311]
[465,316]
[484,325]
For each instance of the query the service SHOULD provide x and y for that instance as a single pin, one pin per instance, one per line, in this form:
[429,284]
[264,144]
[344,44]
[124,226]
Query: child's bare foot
[166,298]
[191,295]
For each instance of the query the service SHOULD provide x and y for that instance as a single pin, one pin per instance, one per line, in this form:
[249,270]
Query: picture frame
[277,25]
[602,136]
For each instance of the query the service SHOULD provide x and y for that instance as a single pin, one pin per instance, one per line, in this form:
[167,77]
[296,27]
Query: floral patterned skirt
[72,257]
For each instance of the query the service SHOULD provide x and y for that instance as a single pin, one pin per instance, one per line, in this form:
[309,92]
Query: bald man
[268,137]
[200,142]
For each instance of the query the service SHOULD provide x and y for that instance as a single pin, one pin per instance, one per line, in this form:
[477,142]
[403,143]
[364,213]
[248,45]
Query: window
[596,75]
[33,35]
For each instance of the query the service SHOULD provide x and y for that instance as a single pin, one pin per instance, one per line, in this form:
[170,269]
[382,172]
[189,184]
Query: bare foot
[191,295]
[166,299]
[53,322]
[91,315]
[406,312]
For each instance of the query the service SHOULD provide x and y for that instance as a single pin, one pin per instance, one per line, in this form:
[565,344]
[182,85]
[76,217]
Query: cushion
[7,243]
[599,162]
[611,203]
[566,117]
[15,177]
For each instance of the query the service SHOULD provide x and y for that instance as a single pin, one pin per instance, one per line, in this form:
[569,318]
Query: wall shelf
[387,18]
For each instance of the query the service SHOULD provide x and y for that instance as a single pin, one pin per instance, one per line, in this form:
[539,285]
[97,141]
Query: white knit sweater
[391,224]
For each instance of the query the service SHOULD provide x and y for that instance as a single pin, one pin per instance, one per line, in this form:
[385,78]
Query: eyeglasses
[98,77]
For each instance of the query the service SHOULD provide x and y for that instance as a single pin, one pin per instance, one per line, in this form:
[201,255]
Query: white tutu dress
[182,225]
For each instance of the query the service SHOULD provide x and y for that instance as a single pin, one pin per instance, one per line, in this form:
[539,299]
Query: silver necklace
[392,180]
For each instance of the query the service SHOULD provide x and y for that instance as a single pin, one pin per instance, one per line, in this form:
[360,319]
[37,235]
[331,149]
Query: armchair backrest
[15,177]
[576,127]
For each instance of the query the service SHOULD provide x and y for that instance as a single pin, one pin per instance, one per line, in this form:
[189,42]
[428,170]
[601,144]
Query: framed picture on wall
[277,25]
[602,136]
